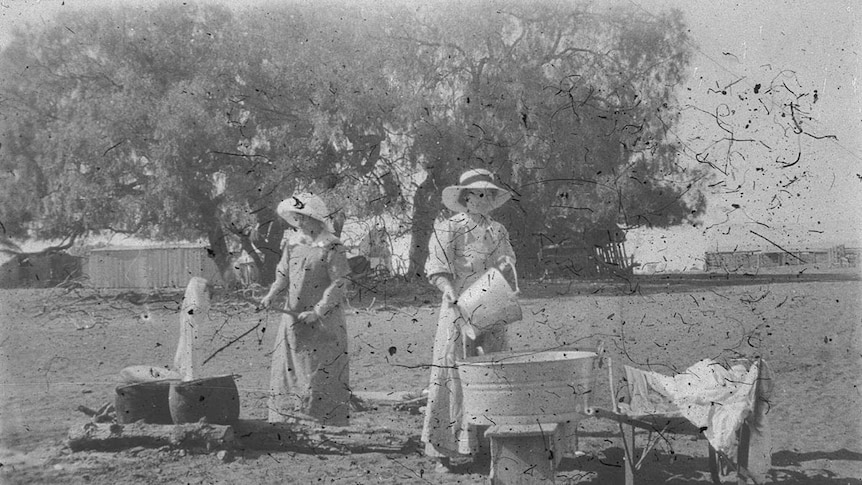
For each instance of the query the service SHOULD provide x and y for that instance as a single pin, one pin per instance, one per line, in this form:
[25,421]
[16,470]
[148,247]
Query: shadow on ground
[678,469]
[790,458]
[607,467]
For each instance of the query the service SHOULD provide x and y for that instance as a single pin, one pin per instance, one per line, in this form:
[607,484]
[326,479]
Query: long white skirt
[444,432]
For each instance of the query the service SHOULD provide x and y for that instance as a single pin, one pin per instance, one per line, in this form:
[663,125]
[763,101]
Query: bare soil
[60,349]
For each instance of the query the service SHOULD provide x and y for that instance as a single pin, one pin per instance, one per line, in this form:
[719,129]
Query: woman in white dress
[310,377]
[461,249]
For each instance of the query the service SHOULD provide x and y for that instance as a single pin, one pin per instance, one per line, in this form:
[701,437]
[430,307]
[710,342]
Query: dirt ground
[60,349]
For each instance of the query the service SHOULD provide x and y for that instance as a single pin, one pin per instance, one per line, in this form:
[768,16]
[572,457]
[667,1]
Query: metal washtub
[527,387]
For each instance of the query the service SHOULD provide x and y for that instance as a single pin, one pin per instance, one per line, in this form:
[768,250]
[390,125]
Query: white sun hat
[307,204]
[476,179]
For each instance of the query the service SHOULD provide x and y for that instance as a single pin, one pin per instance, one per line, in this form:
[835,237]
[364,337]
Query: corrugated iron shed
[149,266]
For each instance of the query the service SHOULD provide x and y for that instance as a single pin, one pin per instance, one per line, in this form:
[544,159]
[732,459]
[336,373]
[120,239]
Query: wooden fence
[580,261]
[833,257]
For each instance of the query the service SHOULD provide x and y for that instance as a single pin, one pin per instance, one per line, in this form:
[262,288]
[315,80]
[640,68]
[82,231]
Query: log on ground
[114,437]
[244,434]
[262,435]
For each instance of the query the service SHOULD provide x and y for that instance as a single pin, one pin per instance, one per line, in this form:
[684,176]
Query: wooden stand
[524,454]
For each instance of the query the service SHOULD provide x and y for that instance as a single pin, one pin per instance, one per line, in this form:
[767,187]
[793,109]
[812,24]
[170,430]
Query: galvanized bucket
[528,387]
[490,301]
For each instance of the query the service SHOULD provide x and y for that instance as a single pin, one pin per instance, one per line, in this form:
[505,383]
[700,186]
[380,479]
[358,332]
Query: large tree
[120,122]
[189,121]
[171,123]
[571,108]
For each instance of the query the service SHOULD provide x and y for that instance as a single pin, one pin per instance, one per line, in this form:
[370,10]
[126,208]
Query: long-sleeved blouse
[465,246]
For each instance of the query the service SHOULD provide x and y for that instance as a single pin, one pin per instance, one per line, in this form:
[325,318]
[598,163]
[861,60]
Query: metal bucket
[490,300]
[551,386]
[144,401]
[213,398]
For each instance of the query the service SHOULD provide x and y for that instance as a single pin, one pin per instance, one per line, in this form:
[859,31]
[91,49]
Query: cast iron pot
[213,398]
[144,401]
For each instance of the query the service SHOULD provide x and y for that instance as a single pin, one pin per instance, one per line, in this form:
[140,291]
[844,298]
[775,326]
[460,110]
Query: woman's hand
[469,330]
[265,302]
[444,284]
[308,317]
[449,294]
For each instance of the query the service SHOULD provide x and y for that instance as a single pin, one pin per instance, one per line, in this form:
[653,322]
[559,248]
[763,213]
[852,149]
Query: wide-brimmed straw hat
[307,204]
[476,179]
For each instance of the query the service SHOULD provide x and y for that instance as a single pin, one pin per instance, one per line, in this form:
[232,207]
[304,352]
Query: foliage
[570,108]
[189,121]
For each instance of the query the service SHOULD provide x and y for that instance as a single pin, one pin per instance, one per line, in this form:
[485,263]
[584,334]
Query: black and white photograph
[437,242]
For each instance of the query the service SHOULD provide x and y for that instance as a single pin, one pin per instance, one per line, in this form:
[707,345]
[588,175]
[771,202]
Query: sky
[816,203]
[753,201]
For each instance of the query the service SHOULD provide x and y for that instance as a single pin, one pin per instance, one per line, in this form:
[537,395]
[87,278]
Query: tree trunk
[426,206]
[219,252]
[523,232]
[248,247]
[269,235]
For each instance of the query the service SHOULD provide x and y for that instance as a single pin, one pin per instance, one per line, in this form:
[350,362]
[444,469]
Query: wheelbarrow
[632,414]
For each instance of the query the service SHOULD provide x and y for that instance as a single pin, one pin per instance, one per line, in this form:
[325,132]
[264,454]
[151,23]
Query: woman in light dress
[461,249]
[310,373]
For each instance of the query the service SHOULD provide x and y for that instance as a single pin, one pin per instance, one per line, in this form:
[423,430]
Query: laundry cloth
[712,397]
[196,303]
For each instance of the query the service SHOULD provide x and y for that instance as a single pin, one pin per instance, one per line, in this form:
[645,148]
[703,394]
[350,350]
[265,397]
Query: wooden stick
[257,307]
[286,312]
[611,382]
[230,343]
